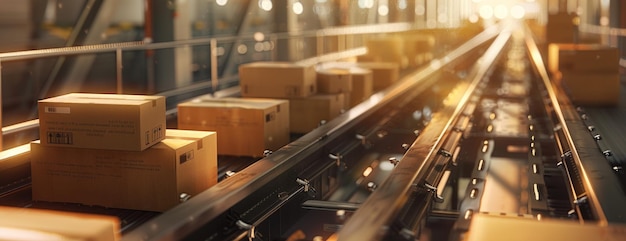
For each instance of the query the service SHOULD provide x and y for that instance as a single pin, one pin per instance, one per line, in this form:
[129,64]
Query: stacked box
[245,126]
[362,86]
[418,48]
[588,72]
[308,113]
[102,121]
[387,49]
[277,80]
[335,81]
[35,224]
[561,28]
[384,74]
[156,179]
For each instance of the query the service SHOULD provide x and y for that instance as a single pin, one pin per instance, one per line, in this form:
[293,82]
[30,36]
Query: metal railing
[344,49]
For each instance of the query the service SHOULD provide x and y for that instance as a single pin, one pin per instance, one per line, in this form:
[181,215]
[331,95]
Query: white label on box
[59,110]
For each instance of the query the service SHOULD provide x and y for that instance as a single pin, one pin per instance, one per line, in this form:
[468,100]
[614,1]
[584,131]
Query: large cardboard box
[245,126]
[561,28]
[306,114]
[102,121]
[591,89]
[153,179]
[277,80]
[36,224]
[334,81]
[590,58]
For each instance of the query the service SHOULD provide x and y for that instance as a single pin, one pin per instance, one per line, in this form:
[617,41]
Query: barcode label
[63,138]
[59,110]
[187,156]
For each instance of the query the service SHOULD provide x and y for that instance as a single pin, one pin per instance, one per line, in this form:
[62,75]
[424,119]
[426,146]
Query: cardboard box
[560,28]
[14,164]
[37,224]
[590,58]
[152,180]
[277,80]
[306,114]
[387,49]
[592,89]
[384,74]
[245,126]
[362,86]
[102,121]
[334,81]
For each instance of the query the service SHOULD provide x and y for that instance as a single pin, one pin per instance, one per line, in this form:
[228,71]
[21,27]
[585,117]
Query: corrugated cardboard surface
[277,80]
[152,180]
[592,89]
[102,121]
[362,86]
[334,81]
[34,224]
[384,74]
[245,126]
[589,58]
[307,113]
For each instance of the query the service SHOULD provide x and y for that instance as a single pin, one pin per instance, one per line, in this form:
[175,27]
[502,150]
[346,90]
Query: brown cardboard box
[277,80]
[152,180]
[14,164]
[362,86]
[36,224]
[334,81]
[583,58]
[307,113]
[384,74]
[560,28]
[592,89]
[416,46]
[245,126]
[102,121]
[387,49]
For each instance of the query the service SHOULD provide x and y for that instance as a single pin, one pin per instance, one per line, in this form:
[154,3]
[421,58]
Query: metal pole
[118,67]
[214,76]
[1,134]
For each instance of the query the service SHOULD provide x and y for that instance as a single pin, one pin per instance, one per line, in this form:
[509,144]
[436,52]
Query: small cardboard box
[362,86]
[592,89]
[36,224]
[277,80]
[153,179]
[246,126]
[334,81]
[102,121]
[384,74]
[590,58]
[306,114]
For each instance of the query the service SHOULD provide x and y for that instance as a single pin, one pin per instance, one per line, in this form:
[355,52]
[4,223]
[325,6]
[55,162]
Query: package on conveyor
[277,80]
[418,48]
[361,83]
[384,74]
[387,49]
[38,224]
[308,113]
[589,73]
[156,179]
[335,81]
[245,126]
[102,121]
[561,28]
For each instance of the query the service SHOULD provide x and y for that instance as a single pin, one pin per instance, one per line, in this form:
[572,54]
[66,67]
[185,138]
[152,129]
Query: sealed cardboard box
[102,121]
[185,162]
[306,114]
[384,74]
[362,86]
[245,126]
[334,81]
[592,89]
[277,80]
[36,224]
[583,58]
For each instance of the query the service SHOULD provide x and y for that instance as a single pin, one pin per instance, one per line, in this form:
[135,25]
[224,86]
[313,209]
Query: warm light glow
[367,171]
[7,233]
[501,12]
[485,12]
[297,8]
[386,166]
[258,36]
[221,2]
[402,4]
[266,5]
[366,3]
[383,10]
[420,10]
[518,12]
[473,18]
